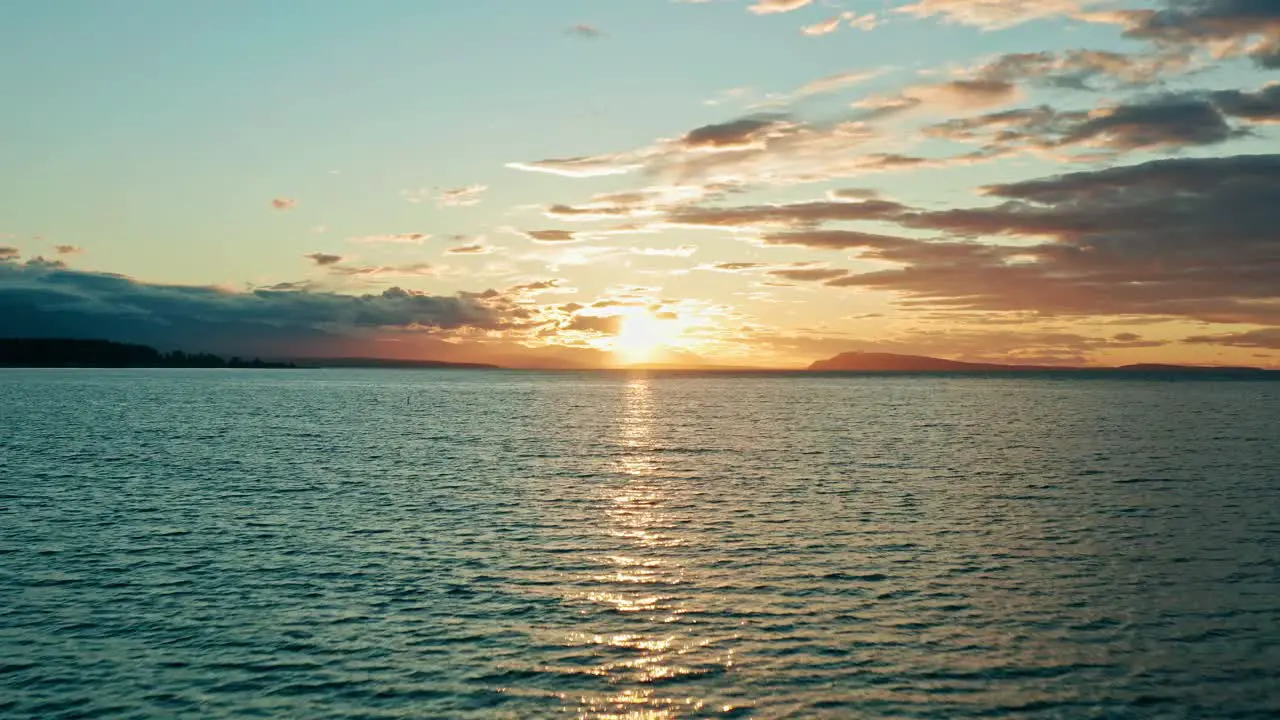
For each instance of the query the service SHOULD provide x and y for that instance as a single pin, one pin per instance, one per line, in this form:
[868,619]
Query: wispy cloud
[770,7]
[995,14]
[825,27]
[585,31]
[451,197]
[414,238]
[284,203]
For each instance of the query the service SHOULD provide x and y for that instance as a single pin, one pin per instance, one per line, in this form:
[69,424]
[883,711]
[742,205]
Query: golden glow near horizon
[642,335]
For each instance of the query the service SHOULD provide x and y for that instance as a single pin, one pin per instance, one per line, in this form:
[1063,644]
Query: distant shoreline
[37,353]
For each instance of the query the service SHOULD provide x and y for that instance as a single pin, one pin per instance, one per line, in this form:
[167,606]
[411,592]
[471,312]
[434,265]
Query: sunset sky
[595,182]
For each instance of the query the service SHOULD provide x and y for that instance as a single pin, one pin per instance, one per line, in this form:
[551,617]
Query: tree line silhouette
[60,352]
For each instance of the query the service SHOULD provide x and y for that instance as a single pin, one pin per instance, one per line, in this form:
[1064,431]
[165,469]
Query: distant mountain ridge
[892,362]
[391,363]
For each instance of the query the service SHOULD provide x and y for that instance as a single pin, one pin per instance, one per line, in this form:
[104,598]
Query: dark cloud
[469,249]
[735,134]
[1170,121]
[68,249]
[8,252]
[1189,237]
[594,211]
[322,259]
[550,236]
[1268,338]
[1231,27]
[1262,106]
[809,274]
[1192,237]
[40,301]
[797,214]
[839,240]
[737,266]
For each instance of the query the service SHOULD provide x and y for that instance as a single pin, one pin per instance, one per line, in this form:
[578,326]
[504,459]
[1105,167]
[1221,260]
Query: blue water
[442,544]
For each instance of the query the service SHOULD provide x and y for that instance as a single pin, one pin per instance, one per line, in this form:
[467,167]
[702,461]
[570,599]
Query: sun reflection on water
[640,585]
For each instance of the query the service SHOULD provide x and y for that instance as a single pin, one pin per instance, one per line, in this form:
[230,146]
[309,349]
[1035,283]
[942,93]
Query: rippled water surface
[442,544]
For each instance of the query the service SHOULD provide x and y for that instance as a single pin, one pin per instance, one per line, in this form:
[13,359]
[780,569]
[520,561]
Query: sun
[641,335]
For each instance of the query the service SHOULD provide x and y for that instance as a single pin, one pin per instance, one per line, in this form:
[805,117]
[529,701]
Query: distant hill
[57,352]
[890,362]
[358,362]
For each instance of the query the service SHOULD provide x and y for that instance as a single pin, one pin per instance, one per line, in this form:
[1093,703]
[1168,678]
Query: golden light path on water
[644,581]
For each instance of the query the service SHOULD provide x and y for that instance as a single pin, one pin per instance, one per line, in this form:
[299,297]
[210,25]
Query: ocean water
[443,544]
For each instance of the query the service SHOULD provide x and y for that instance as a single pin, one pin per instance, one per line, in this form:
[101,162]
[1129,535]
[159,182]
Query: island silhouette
[892,362]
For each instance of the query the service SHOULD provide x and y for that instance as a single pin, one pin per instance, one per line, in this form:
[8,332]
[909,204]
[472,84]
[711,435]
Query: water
[377,544]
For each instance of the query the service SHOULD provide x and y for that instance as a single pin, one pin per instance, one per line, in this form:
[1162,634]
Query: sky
[609,182]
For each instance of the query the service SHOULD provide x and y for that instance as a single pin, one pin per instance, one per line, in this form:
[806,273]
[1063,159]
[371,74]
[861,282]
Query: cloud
[681,251]
[736,266]
[375,272]
[600,324]
[8,252]
[808,273]
[585,31]
[1168,121]
[770,7]
[826,27]
[1227,28]
[763,150]
[965,94]
[453,197]
[740,133]
[831,83]
[790,215]
[579,167]
[550,236]
[644,202]
[68,249]
[846,240]
[1082,69]
[1190,237]
[1262,106]
[394,239]
[38,301]
[474,248]
[1165,121]
[323,259]
[866,22]
[994,14]
[1266,338]
[1185,237]
[283,203]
